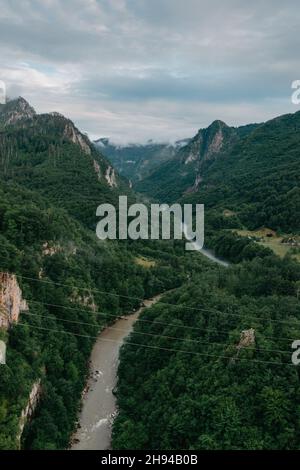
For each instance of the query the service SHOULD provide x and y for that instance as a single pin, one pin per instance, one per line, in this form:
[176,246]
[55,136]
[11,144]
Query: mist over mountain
[185,171]
[117,331]
[136,161]
[55,274]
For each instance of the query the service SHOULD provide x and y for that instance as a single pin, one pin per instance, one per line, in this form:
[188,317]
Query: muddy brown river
[99,404]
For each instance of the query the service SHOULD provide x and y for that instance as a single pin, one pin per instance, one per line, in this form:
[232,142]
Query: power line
[144,333]
[159,347]
[164,303]
[147,321]
[117,317]
[211,310]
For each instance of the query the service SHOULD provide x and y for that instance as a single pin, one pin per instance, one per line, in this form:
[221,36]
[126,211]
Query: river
[99,403]
[206,252]
[210,255]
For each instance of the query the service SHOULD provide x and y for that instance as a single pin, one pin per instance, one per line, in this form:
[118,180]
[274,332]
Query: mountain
[251,171]
[214,370]
[136,161]
[59,285]
[258,177]
[14,111]
[185,171]
[48,154]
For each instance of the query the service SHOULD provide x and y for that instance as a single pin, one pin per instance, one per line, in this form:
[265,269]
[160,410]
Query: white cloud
[137,69]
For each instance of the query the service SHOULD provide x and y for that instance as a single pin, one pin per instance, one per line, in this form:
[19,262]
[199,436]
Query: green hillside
[136,161]
[214,368]
[74,284]
[184,173]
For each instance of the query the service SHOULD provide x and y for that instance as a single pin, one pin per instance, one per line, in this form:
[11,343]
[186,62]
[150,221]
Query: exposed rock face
[192,157]
[207,143]
[14,111]
[110,177]
[247,338]
[86,301]
[50,250]
[196,184]
[11,301]
[97,170]
[29,409]
[72,134]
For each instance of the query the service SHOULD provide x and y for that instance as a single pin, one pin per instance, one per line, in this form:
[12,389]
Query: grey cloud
[138,68]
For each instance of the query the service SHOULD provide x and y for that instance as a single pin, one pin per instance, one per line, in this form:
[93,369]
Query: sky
[134,70]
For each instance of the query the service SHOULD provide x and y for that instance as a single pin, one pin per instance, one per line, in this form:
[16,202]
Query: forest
[212,369]
[254,175]
[204,387]
[196,383]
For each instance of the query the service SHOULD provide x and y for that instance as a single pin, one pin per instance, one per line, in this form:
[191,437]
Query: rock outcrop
[247,339]
[29,409]
[87,301]
[15,110]
[208,143]
[110,177]
[73,135]
[50,249]
[97,169]
[11,301]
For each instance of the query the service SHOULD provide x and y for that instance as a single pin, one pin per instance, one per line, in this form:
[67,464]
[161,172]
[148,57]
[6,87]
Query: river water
[210,255]
[99,404]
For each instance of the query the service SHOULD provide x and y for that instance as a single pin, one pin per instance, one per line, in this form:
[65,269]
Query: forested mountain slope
[185,172]
[214,369]
[136,161]
[251,171]
[59,285]
[49,154]
[259,178]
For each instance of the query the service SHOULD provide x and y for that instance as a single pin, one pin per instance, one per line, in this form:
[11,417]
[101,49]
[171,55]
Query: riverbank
[99,403]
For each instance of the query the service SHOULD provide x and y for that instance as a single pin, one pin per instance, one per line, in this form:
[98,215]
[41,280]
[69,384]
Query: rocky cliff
[14,111]
[73,134]
[208,143]
[11,301]
[29,409]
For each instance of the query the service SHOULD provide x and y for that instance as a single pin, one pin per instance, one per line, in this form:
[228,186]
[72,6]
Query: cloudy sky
[139,69]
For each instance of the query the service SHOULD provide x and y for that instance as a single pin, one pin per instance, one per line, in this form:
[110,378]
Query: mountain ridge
[15,110]
[39,148]
[135,160]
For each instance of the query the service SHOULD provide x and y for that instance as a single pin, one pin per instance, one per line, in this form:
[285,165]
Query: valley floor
[99,404]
